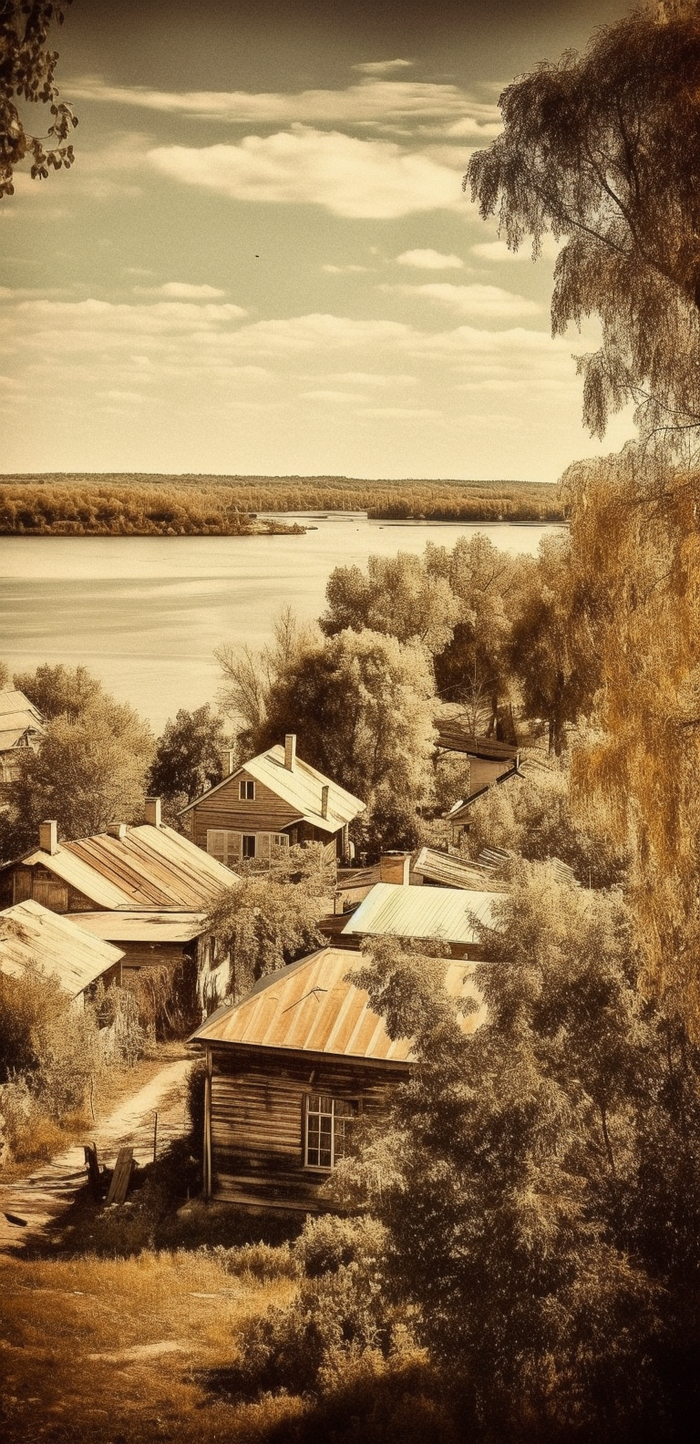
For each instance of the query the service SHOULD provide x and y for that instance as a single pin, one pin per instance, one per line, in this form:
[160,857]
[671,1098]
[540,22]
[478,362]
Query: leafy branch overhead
[27,69]
[603,150]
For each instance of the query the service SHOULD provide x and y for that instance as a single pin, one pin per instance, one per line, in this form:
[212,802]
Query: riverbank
[71,504]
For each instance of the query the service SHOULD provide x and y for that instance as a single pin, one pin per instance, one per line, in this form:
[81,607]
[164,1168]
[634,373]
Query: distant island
[135,504]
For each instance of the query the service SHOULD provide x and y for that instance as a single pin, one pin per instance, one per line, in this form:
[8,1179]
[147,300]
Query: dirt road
[43,1195]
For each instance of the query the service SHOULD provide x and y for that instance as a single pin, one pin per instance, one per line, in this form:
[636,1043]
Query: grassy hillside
[124,504]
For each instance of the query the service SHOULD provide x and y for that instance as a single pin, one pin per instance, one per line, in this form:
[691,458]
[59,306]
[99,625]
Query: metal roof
[442,867]
[315,1006]
[146,927]
[299,786]
[151,867]
[14,702]
[453,737]
[10,736]
[32,937]
[421,912]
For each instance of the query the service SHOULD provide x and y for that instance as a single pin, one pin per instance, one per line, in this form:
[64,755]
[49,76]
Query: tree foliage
[89,769]
[398,596]
[269,918]
[541,1189]
[59,691]
[603,150]
[189,755]
[27,71]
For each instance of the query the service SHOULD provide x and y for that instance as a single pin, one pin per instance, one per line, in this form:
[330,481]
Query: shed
[442,869]
[34,938]
[273,800]
[290,1070]
[146,938]
[438,913]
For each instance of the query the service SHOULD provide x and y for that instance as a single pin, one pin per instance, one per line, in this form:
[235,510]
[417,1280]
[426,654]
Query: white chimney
[48,837]
[228,755]
[324,800]
[118,830]
[290,751]
[152,811]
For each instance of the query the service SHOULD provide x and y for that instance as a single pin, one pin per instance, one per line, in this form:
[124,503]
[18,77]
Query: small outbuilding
[35,940]
[290,1071]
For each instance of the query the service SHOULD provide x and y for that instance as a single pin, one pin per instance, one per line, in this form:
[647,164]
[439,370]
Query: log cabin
[273,800]
[290,1070]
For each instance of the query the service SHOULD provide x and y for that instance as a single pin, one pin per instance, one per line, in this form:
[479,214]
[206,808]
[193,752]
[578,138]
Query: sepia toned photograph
[350,722]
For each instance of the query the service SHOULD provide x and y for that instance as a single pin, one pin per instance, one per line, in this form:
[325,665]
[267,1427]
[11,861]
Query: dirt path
[46,1193]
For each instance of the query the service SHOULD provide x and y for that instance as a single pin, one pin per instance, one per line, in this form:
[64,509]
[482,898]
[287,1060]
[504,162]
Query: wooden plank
[122,1176]
[93,1168]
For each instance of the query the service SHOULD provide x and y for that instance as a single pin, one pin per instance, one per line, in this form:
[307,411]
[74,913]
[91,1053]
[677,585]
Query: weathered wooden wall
[267,813]
[257,1119]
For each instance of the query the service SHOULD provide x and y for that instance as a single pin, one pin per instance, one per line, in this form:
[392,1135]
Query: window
[328,1124]
[246,790]
[224,846]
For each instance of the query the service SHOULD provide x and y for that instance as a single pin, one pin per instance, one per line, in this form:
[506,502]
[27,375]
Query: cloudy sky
[263,262]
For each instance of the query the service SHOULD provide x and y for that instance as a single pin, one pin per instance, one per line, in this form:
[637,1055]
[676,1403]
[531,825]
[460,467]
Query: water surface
[145,613]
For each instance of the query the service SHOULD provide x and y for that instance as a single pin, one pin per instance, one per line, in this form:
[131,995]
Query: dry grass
[120,1349]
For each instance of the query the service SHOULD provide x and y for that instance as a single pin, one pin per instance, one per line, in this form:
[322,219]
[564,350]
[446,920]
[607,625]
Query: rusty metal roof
[146,927]
[421,912]
[450,871]
[299,786]
[32,937]
[314,1006]
[151,867]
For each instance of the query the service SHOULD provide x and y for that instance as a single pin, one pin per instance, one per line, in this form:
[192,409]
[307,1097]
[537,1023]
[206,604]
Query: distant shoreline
[73,504]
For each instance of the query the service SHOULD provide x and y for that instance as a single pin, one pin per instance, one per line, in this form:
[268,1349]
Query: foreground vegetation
[133,505]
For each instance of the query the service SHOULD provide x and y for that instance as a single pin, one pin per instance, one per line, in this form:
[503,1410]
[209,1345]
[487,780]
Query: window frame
[353,1109]
[246,789]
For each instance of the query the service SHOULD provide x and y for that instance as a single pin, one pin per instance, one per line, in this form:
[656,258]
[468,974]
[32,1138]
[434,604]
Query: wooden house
[273,800]
[146,889]
[289,1072]
[442,914]
[35,940]
[21,726]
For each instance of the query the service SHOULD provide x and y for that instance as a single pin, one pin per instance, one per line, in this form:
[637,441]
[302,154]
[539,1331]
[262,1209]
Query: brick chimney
[152,811]
[228,756]
[395,867]
[48,837]
[290,751]
[118,830]
[324,800]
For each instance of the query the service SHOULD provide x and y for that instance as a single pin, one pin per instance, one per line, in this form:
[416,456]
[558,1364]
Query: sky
[262,261]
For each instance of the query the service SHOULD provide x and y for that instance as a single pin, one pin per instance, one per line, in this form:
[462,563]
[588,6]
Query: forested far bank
[142,504]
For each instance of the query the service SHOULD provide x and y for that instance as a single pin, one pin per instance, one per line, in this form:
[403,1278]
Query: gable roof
[31,937]
[299,786]
[18,717]
[151,867]
[446,913]
[316,1007]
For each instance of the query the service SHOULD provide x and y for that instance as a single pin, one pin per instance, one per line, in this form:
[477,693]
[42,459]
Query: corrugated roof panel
[413,912]
[316,1007]
[450,871]
[31,937]
[13,702]
[142,927]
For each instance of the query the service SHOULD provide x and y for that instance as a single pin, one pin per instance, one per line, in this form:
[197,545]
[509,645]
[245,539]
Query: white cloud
[475,300]
[499,251]
[371,101]
[181,291]
[382,67]
[373,378]
[132,397]
[429,260]
[342,270]
[402,413]
[350,178]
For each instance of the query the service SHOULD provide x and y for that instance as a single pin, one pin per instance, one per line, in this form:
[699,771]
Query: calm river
[145,613]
